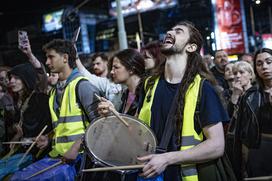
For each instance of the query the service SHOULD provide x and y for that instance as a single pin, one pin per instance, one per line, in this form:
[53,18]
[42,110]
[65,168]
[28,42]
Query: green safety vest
[68,126]
[190,137]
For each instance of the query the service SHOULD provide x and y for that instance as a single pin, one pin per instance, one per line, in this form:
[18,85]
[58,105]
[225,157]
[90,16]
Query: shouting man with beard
[184,111]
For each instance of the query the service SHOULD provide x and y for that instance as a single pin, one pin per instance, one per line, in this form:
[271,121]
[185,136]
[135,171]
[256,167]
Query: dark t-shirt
[265,115]
[211,112]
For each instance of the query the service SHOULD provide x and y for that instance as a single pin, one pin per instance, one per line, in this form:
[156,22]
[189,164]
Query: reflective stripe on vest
[68,126]
[190,138]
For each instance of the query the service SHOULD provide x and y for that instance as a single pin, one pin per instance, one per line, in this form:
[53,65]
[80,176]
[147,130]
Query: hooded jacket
[26,73]
[36,115]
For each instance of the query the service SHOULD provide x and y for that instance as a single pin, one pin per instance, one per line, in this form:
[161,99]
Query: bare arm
[72,153]
[41,73]
[211,148]
[26,49]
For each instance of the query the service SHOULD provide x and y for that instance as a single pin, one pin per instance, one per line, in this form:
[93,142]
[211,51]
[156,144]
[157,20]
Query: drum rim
[121,114]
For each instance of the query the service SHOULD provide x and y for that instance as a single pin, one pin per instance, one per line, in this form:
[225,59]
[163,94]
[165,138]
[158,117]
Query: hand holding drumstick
[105,107]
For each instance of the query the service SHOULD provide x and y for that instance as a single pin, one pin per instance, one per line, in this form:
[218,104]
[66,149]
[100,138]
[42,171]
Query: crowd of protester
[212,109]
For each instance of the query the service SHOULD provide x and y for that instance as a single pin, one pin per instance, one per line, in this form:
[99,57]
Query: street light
[257,1]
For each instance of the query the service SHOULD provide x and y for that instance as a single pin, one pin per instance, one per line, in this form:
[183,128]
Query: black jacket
[220,78]
[248,123]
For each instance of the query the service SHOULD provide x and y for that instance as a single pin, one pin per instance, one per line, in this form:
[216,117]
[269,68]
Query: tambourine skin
[108,141]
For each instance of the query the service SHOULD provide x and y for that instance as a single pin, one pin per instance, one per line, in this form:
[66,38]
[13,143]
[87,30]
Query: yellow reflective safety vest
[190,137]
[68,126]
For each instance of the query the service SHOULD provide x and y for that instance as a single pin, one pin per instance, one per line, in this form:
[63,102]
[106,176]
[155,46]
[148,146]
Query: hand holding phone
[23,42]
[22,38]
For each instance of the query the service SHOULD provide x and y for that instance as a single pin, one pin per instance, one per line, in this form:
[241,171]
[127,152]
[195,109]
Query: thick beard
[98,72]
[168,51]
[172,50]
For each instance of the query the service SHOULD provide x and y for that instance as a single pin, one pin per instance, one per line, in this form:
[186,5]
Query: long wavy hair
[195,65]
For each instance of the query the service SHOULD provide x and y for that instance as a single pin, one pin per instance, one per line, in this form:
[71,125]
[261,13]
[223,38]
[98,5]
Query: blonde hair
[243,65]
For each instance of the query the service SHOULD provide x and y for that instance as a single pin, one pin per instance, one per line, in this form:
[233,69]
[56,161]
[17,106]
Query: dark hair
[154,48]
[28,75]
[258,78]
[63,47]
[195,65]
[103,56]
[132,60]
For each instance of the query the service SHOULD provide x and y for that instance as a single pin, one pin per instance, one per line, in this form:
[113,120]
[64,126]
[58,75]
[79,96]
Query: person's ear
[131,72]
[192,47]
[65,58]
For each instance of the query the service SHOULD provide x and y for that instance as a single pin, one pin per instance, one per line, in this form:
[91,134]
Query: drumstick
[28,150]
[114,112]
[128,167]
[17,142]
[118,116]
[259,178]
[44,170]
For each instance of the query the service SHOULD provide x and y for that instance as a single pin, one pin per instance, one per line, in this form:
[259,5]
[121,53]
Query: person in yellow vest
[72,104]
[181,94]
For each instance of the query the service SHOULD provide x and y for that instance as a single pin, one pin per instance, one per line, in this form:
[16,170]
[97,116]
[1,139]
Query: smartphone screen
[22,38]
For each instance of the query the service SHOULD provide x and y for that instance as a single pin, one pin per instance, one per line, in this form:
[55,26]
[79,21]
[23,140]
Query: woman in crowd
[240,81]
[152,56]
[258,137]
[30,113]
[254,126]
[127,68]
[243,78]
[229,77]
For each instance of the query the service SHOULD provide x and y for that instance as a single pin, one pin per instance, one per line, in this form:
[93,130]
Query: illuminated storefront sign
[228,26]
[267,40]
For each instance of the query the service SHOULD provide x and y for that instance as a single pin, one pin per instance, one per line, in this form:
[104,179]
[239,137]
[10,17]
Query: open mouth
[169,40]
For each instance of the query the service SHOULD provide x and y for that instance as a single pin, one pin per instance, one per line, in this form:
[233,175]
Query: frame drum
[111,143]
